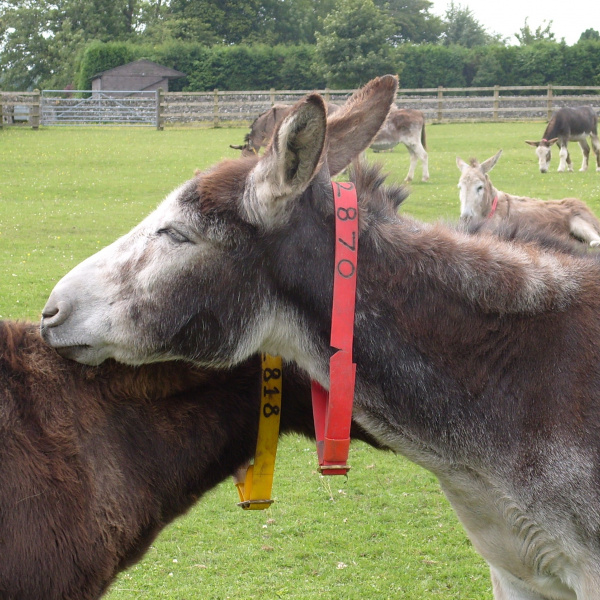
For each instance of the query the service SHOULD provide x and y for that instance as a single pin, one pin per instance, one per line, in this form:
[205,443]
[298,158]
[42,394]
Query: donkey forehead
[216,189]
[223,186]
[543,150]
[471,177]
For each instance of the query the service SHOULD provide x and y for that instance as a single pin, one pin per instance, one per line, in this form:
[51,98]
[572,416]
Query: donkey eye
[175,235]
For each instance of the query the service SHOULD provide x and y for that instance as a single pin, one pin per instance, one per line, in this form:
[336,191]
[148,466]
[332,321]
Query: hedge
[259,67]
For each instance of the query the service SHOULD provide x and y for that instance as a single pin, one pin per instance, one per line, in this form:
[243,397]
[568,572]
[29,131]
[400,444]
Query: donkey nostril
[47,313]
[55,314]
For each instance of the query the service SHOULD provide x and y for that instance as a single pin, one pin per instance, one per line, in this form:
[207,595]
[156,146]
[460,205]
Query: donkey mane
[22,352]
[370,181]
[494,275]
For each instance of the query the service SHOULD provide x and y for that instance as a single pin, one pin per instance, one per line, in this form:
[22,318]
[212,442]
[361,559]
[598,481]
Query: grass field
[386,531]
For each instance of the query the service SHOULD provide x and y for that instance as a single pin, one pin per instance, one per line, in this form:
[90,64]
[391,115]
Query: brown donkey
[94,462]
[476,358]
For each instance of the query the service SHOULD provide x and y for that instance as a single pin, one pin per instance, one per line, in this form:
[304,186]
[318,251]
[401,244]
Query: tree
[294,21]
[231,22]
[527,37]
[589,34]
[41,41]
[462,29]
[354,45]
[412,20]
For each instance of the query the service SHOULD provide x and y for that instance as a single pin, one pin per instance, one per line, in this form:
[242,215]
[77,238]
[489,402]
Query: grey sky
[569,19]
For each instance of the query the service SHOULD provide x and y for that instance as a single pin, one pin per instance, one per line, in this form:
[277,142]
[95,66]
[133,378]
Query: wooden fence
[440,105]
[20,107]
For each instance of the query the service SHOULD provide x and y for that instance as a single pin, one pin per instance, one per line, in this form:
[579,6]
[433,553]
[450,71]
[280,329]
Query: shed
[139,75]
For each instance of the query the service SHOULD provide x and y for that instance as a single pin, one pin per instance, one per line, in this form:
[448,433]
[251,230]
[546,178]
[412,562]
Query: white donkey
[406,126]
[479,199]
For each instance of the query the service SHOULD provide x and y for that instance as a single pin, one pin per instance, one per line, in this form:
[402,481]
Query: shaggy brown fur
[94,462]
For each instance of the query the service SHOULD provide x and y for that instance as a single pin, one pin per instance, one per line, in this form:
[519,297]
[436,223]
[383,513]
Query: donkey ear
[461,164]
[532,143]
[351,129]
[290,161]
[488,165]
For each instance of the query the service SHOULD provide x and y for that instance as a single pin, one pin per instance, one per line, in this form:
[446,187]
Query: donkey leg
[586,154]
[590,586]
[506,587]
[413,162]
[583,230]
[596,147]
[565,160]
[424,158]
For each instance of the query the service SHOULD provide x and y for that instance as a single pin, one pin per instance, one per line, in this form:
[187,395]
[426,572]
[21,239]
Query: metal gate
[105,107]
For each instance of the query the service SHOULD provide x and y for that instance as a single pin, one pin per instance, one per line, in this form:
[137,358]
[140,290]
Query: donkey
[475,358]
[96,461]
[479,199]
[568,124]
[264,125]
[406,126]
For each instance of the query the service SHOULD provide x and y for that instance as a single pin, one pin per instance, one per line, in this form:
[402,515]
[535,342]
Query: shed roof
[144,68]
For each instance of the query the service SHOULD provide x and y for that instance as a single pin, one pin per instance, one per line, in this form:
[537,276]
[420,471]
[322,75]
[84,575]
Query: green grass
[385,532]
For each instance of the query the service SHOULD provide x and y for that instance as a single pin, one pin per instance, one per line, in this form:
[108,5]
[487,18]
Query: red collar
[494,206]
[332,410]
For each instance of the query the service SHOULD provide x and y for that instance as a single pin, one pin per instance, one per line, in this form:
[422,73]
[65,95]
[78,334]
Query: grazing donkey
[264,125]
[479,199]
[476,358]
[568,124]
[406,126]
[94,462]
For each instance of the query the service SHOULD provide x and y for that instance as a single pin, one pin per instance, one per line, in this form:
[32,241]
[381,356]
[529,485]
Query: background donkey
[262,128]
[475,358]
[96,461]
[568,124]
[479,199]
[406,126]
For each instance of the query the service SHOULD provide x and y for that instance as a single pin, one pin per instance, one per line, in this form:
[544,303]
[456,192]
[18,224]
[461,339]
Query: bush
[99,57]
[241,67]
[260,67]
[429,66]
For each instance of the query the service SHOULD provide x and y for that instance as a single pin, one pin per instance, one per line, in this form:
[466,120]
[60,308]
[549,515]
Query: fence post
[216,109]
[327,95]
[496,102]
[160,95]
[1,110]
[440,108]
[549,102]
[272,95]
[34,115]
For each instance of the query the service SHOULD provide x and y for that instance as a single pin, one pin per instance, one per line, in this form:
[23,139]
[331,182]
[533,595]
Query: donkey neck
[433,310]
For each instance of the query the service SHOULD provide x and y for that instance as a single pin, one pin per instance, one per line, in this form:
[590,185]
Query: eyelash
[176,236]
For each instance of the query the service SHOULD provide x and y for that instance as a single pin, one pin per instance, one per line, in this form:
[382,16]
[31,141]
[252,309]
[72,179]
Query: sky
[570,18]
